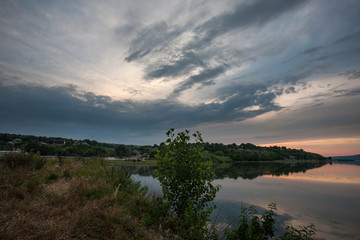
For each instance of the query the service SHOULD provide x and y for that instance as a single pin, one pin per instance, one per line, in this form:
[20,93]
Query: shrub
[52,176]
[253,226]
[66,173]
[301,233]
[186,181]
[39,162]
[13,160]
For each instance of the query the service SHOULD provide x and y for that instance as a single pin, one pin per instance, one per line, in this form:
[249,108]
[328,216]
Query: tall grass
[79,198]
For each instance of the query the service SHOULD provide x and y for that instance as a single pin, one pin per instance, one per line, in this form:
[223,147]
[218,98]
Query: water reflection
[252,170]
[246,170]
[311,192]
[342,173]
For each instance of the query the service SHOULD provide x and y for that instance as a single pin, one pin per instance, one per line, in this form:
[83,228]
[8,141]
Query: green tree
[186,182]
[123,150]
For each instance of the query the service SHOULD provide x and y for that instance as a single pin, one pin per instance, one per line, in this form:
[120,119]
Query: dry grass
[48,203]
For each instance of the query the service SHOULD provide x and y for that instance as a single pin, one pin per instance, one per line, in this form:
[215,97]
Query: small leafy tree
[301,233]
[186,181]
[253,226]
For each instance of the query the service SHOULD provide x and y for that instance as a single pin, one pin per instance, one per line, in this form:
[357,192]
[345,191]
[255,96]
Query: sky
[283,73]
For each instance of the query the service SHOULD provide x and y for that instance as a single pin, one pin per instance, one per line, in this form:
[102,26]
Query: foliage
[96,202]
[186,181]
[66,173]
[15,160]
[251,152]
[253,226]
[301,233]
[89,199]
[52,176]
[217,152]
[123,150]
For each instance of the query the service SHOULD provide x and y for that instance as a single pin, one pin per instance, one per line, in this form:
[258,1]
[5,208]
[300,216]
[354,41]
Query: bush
[186,182]
[52,176]
[254,227]
[301,233]
[251,226]
[66,173]
[39,162]
[14,160]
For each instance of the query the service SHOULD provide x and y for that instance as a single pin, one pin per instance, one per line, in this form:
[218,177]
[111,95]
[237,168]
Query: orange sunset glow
[326,147]
[342,174]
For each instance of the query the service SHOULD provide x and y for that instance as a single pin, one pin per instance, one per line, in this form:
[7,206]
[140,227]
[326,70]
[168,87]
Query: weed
[66,173]
[52,176]
[39,163]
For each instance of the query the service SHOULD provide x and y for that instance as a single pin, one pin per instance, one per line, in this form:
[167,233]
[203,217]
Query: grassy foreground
[76,198]
[89,198]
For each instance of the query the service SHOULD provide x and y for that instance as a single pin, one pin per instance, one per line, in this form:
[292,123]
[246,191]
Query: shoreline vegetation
[80,198]
[217,153]
[89,197]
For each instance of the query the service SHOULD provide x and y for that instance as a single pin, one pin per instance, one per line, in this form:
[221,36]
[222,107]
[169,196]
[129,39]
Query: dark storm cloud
[193,55]
[206,77]
[150,38]
[47,107]
[255,13]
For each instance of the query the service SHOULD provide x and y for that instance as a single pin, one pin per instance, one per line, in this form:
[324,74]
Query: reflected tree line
[244,170]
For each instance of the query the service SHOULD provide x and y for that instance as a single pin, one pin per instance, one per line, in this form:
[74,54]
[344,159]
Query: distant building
[16,140]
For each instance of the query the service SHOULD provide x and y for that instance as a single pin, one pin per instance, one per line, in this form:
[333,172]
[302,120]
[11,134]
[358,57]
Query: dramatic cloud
[126,71]
[150,38]
[255,13]
[180,67]
[53,106]
[206,77]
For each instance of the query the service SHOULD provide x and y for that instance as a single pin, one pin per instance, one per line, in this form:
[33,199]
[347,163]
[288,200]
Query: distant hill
[353,157]
[215,152]
[218,152]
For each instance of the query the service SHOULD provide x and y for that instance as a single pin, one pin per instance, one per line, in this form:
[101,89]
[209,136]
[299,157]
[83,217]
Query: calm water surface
[327,195]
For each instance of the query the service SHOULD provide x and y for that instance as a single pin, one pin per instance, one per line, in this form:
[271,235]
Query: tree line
[215,152]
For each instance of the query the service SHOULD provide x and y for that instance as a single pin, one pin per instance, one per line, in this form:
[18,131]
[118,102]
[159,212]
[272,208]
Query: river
[325,194]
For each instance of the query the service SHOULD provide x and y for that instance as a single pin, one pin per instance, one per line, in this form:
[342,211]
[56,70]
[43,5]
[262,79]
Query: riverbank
[76,198]
[83,198]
